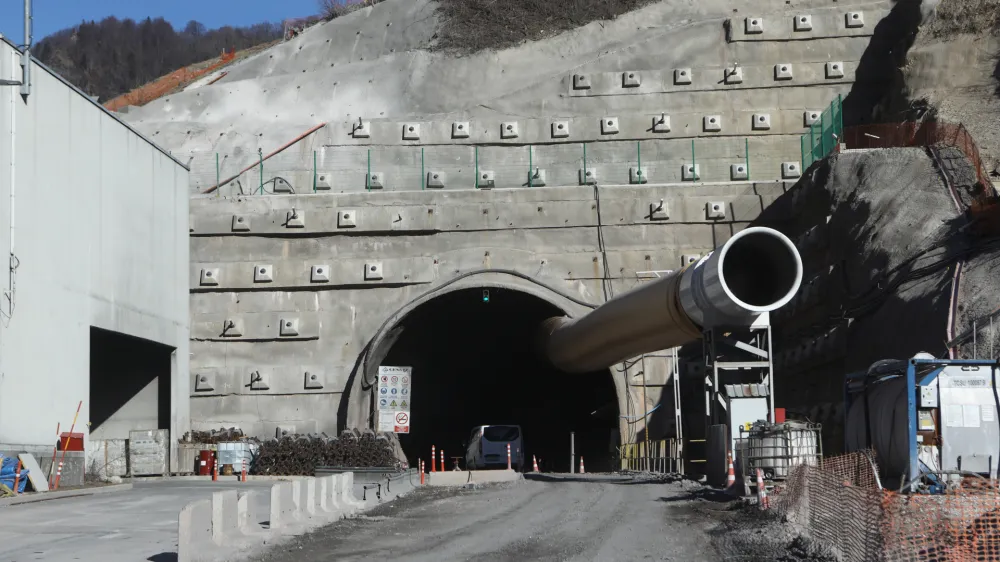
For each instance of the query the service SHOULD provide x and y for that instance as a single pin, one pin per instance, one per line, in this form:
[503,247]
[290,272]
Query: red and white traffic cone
[243,473]
[731,475]
[215,469]
[421,465]
[59,472]
[508,456]
[442,460]
[534,464]
[581,465]
[762,500]
[433,458]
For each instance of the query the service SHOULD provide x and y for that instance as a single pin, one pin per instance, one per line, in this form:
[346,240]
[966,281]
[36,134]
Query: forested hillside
[113,56]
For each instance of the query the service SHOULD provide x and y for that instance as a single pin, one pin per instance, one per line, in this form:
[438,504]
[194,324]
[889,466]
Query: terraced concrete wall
[252,369]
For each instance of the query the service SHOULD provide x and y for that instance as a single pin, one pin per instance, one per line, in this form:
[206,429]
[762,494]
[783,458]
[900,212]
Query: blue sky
[53,15]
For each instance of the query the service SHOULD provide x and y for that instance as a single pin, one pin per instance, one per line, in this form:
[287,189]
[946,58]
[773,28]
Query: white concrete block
[688,259]
[194,529]
[712,123]
[783,71]
[761,121]
[715,210]
[295,219]
[754,25]
[631,79]
[263,273]
[661,123]
[854,19]
[411,131]
[258,381]
[362,129]
[373,271]
[374,180]
[241,223]
[609,126]
[436,179]
[232,328]
[460,130]
[204,383]
[282,186]
[282,511]
[588,176]
[691,172]
[803,22]
[536,178]
[659,211]
[323,181]
[682,76]
[810,117]
[313,381]
[209,277]
[289,327]
[790,170]
[560,129]
[225,516]
[637,175]
[739,172]
[581,82]
[486,179]
[347,218]
[509,130]
[835,69]
[733,74]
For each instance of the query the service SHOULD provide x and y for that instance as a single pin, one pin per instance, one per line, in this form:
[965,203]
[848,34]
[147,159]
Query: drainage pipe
[758,270]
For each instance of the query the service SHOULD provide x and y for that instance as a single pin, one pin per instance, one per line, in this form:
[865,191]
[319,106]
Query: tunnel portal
[475,363]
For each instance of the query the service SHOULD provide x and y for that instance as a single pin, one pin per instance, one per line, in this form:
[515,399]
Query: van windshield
[501,433]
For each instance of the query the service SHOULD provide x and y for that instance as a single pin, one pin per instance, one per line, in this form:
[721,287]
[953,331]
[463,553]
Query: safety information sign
[393,398]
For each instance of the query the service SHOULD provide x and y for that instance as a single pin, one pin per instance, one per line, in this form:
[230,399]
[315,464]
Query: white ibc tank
[779,447]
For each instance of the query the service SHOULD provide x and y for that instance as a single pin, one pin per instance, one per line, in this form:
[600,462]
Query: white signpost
[393,398]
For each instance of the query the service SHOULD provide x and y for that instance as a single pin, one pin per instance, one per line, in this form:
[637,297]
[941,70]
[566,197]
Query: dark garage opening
[129,384]
[475,362]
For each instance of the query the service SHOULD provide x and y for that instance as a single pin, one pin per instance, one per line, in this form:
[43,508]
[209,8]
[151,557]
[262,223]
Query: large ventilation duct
[758,270]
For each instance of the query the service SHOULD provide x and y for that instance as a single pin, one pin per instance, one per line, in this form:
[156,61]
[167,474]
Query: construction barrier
[841,504]
[662,456]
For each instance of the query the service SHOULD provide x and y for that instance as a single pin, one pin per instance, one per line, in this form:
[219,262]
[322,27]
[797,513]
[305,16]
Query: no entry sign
[394,398]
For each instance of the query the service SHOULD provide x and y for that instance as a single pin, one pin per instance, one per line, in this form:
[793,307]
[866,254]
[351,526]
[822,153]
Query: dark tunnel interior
[475,363]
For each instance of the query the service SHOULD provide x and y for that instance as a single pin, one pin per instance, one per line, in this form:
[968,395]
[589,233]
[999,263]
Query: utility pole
[26,53]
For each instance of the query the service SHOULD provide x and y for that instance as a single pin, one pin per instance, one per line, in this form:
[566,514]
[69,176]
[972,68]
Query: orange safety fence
[165,84]
[841,505]
[912,134]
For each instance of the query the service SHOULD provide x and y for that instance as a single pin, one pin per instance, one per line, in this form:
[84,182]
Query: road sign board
[401,422]
[394,384]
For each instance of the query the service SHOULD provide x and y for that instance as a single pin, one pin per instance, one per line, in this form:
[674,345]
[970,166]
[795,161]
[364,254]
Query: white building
[94,307]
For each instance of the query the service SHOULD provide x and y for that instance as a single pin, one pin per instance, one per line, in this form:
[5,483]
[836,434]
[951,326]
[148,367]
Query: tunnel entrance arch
[475,362]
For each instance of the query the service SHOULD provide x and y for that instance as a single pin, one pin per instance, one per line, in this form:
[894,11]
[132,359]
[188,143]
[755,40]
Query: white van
[487,447]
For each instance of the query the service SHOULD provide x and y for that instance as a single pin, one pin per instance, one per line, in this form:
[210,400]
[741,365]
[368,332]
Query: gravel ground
[545,517]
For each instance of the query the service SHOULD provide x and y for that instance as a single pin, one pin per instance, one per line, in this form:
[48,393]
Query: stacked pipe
[302,454]
[221,435]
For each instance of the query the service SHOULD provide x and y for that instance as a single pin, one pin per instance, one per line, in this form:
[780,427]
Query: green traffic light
[486,295]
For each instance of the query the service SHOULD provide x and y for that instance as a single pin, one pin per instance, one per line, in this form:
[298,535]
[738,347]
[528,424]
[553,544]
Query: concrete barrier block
[347,490]
[225,521]
[247,518]
[194,529]
[326,503]
[282,512]
[307,497]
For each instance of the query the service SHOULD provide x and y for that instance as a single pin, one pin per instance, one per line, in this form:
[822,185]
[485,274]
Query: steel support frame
[743,351]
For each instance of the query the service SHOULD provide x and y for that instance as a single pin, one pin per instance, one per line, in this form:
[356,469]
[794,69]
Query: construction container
[777,448]
[234,453]
[70,441]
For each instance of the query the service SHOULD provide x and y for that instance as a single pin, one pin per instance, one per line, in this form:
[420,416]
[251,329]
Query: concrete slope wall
[420,240]
[95,220]
[371,66]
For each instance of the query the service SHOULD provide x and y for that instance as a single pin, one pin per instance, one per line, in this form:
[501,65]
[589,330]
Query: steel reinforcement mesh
[841,505]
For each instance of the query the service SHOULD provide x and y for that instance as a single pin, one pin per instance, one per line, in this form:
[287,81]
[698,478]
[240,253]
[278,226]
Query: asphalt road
[555,517]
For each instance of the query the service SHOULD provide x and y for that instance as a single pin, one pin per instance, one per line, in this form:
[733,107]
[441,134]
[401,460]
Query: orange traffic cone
[581,466]
[534,464]
[731,476]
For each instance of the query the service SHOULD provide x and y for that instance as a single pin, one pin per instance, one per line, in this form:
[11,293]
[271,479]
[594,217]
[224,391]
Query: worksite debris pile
[302,454]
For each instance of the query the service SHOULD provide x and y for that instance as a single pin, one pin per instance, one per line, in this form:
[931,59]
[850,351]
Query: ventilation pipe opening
[760,270]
